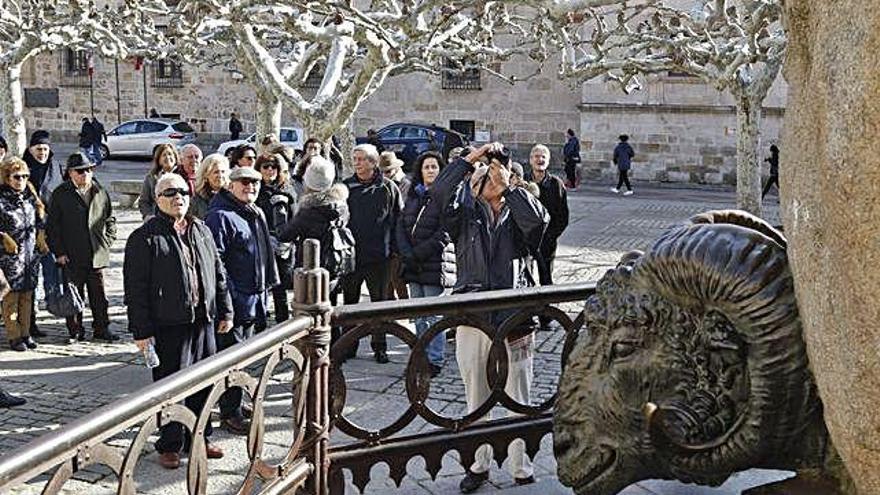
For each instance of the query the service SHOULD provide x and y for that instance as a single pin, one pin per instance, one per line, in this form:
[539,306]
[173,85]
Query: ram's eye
[624,348]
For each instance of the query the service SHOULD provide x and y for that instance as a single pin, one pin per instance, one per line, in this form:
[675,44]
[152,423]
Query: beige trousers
[17,314]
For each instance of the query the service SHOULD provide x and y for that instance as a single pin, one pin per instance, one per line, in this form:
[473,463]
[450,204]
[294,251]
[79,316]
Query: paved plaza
[63,381]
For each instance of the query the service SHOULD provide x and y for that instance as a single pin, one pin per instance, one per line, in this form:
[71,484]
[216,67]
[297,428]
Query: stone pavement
[63,381]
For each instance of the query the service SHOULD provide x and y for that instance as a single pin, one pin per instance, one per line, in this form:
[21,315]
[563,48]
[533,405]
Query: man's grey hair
[540,147]
[190,146]
[168,180]
[369,150]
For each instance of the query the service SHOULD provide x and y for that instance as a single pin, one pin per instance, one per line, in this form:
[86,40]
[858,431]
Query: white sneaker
[615,190]
[628,193]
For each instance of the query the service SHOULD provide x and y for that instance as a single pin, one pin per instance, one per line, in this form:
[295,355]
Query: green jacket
[83,233]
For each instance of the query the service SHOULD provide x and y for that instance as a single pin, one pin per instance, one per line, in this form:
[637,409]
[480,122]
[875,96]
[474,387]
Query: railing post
[311,297]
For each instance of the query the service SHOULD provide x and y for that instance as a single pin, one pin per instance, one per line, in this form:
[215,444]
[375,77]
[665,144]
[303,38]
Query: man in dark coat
[176,294]
[99,136]
[86,137]
[243,241]
[80,229]
[374,204]
[571,156]
[495,227]
[554,198]
[623,155]
[46,175]
[235,127]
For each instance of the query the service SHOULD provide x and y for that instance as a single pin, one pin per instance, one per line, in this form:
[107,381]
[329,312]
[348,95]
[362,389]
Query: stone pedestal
[830,178]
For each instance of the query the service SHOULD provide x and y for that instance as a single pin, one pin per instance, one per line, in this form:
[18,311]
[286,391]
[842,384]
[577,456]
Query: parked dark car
[408,141]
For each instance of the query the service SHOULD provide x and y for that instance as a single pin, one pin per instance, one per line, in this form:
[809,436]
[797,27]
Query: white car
[292,137]
[141,136]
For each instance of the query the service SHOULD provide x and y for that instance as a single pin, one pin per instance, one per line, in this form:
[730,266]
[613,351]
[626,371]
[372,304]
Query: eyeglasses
[82,171]
[174,191]
[20,176]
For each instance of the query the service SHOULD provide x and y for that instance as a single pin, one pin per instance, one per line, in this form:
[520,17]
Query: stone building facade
[682,130]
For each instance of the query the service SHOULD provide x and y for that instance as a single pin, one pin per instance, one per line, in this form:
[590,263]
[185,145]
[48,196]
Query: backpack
[337,250]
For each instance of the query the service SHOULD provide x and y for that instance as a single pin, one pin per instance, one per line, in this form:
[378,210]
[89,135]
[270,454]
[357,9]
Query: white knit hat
[320,174]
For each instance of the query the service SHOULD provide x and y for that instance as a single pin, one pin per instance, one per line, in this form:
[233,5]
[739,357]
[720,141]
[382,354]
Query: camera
[502,156]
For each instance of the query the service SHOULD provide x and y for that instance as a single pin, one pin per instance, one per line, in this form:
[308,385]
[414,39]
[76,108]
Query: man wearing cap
[176,294]
[374,203]
[242,238]
[80,230]
[392,169]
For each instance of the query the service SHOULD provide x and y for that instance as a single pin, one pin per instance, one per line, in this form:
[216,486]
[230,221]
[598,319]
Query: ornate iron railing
[310,462]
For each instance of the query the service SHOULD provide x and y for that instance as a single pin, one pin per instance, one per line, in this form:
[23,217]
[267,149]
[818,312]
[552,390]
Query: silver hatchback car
[140,137]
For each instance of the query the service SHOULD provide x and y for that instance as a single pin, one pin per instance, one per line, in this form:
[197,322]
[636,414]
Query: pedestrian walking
[22,219]
[243,241]
[277,199]
[100,135]
[623,155]
[165,160]
[571,157]
[154,114]
[211,176]
[392,168]
[426,250]
[773,160]
[553,196]
[176,295]
[81,229]
[235,127]
[190,158]
[374,203]
[45,176]
[243,156]
[86,137]
[494,227]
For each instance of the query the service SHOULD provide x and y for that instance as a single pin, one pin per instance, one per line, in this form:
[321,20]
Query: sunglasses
[174,191]
[20,176]
[248,182]
[82,171]
[271,165]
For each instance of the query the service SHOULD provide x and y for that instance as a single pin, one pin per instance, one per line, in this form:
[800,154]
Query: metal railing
[310,462]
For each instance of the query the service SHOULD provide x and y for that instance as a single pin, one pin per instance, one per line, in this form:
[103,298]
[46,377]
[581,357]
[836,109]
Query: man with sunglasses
[81,228]
[243,241]
[496,227]
[176,295]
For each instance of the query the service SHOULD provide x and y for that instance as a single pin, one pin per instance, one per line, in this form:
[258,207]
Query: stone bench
[128,191]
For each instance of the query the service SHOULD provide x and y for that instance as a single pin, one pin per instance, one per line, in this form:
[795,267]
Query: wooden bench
[128,191]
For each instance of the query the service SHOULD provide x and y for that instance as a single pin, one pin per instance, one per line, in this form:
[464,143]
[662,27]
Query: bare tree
[31,27]
[351,49]
[734,46]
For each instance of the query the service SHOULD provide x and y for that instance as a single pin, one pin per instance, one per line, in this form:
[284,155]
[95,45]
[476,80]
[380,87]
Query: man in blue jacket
[623,155]
[242,238]
[496,228]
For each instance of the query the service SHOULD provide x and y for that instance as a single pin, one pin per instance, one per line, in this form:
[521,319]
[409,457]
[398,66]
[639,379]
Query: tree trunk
[748,168]
[830,175]
[12,108]
[268,116]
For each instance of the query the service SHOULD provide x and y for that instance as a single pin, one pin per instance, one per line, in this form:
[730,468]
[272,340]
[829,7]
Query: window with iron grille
[316,75]
[74,68]
[454,77]
[167,73]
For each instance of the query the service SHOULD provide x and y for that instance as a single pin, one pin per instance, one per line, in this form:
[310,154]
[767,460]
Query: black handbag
[64,299]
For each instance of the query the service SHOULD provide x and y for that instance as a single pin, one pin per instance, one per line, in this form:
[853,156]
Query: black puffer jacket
[316,211]
[156,283]
[427,250]
[20,219]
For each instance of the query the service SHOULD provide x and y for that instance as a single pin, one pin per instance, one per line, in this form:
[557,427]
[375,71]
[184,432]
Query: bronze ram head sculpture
[691,364]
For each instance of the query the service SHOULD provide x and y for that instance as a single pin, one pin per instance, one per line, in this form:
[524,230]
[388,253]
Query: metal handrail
[53,448]
[462,303]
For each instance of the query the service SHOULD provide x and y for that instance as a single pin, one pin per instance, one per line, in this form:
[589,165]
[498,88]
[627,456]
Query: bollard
[311,297]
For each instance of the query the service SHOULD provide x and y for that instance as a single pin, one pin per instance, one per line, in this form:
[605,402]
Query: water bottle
[151,359]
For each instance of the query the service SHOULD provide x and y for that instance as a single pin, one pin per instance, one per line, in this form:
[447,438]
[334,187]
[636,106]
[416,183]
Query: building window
[167,73]
[316,75]
[678,74]
[454,77]
[74,68]
[466,127]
